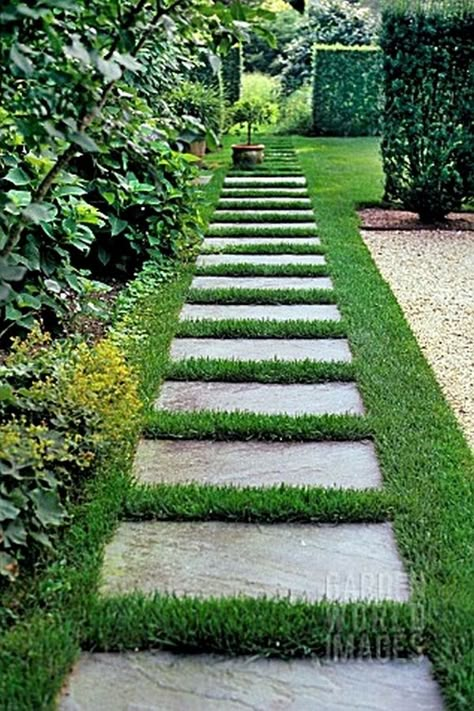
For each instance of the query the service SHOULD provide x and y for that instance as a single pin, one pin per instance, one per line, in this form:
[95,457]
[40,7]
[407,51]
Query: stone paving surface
[161,681]
[349,465]
[262,398]
[261,226]
[230,282]
[236,202]
[295,561]
[258,349]
[298,312]
[251,212]
[222,242]
[272,259]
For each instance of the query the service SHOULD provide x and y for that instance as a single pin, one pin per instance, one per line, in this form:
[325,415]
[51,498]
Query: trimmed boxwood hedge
[347,90]
[428,129]
[231,71]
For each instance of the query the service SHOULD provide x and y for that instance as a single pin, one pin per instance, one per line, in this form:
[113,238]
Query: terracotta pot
[198,149]
[247,156]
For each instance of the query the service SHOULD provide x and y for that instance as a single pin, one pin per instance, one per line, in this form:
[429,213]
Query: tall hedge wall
[232,64]
[347,90]
[428,143]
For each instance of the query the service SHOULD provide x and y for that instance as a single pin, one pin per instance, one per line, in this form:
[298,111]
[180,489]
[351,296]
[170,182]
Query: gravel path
[432,275]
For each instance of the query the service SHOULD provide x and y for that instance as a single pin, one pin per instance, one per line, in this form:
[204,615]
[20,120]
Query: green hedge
[428,130]
[347,90]
[231,70]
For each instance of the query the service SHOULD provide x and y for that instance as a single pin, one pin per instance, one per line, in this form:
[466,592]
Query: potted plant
[200,111]
[251,112]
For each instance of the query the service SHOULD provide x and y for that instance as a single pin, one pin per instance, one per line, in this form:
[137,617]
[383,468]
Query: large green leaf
[48,507]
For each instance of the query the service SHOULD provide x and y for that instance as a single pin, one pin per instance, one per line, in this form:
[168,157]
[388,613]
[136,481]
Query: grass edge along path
[423,454]
[41,637]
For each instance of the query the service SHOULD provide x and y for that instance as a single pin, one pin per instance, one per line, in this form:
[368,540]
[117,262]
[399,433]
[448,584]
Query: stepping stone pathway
[222,559]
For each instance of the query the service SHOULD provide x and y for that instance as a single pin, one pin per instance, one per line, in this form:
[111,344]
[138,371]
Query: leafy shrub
[256,85]
[232,67]
[347,90]
[77,103]
[204,104]
[428,132]
[61,407]
[328,22]
[295,112]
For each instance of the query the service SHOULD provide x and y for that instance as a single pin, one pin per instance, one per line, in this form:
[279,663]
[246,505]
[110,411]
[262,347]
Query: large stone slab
[256,312]
[295,561]
[238,190]
[257,192]
[348,465]
[271,226]
[264,180]
[236,202]
[222,242]
[161,681]
[274,212]
[261,398]
[272,259]
[260,282]
[259,349]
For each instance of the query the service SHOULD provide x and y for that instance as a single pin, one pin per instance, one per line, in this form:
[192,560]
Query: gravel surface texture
[432,275]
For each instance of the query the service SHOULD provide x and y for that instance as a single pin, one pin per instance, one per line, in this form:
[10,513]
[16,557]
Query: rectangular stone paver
[262,398]
[270,213]
[297,312]
[295,561]
[263,180]
[161,681]
[237,190]
[258,349]
[243,226]
[349,465]
[236,202]
[260,282]
[222,242]
[271,259]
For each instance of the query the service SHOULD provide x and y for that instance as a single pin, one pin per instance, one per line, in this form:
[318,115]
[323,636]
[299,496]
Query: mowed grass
[424,456]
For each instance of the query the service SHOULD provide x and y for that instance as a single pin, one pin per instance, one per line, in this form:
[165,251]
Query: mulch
[377,218]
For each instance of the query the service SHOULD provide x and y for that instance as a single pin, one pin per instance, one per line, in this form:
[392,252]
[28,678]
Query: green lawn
[426,463]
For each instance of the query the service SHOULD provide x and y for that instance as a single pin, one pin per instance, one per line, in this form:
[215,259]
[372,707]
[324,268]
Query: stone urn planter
[247,156]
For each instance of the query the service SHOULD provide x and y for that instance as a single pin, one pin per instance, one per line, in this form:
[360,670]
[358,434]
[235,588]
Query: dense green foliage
[90,176]
[347,90]
[61,407]
[232,67]
[428,130]
[204,104]
[326,22]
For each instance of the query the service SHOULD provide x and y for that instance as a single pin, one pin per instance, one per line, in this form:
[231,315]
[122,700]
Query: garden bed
[379,218]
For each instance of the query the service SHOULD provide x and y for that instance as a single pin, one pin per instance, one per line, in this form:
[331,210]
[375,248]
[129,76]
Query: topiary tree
[253,112]
[428,135]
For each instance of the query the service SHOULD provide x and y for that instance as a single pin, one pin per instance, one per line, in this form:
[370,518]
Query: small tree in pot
[251,112]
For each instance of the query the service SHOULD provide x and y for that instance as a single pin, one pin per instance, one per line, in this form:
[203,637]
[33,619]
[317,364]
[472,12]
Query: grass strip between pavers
[254,182]
[248,328]
[234,295]
[269,371]
[245,270]
[268,233]
[251,216]
[283,204]
[232,193]
[249,425]
[276,504]
[247,626]
[267,248]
